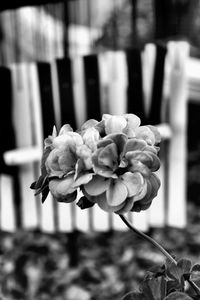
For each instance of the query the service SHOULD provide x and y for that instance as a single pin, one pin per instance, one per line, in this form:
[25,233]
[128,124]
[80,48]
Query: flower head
[112,161]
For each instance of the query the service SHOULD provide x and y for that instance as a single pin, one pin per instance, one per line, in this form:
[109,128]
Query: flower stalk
[149,239]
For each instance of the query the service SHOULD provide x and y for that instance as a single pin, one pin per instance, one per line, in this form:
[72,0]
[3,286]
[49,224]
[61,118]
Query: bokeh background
[95,265]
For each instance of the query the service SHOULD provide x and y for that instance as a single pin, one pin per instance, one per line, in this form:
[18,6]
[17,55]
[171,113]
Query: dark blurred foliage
[41,266]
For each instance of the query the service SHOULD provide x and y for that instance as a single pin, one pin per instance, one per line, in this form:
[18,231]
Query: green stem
[149,239]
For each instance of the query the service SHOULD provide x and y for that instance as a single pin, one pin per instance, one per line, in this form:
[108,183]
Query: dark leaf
[184,266]
[33,185]
[158,270]
[46,152]
[196,268]
[84,203]
[173,285]
[154,287]
[177,296]
[172,270]
[45,193]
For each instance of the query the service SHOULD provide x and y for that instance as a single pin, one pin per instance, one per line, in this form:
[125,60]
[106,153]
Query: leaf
[184,266]
[158,270]
[177,296]
[134,296]
[154,287]
[173,285]
[46,152]
[45,193]
[38,183]
[84,203]
[196,268]
[172,270]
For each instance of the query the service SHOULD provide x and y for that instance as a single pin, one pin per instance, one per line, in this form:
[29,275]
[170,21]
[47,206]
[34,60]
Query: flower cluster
[112,162]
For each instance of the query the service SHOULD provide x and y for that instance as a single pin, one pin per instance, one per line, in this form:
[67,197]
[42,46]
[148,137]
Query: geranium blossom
[112,162]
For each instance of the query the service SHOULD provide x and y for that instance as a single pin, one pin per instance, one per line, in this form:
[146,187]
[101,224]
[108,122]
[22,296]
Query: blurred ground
[93,266]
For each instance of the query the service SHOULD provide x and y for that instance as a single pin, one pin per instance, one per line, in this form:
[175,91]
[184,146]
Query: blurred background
[68,61]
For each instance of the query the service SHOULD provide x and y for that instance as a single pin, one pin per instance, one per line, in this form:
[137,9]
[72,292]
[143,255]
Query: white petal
[133,121]
[145,133]
[127,206]
[103,204]
[115,124]
[142,192]
[108,156]
[82,179]
[62,187]
[65,128]
[97,185]
[116,193]
[133,182]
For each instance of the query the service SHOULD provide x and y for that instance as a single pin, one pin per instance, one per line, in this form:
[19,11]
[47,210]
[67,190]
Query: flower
[112,162]
[124,178]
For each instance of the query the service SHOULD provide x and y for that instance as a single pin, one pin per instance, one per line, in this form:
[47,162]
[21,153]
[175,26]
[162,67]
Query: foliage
[170,281]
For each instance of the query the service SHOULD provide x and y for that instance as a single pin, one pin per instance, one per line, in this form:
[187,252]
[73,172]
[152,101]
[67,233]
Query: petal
[66,160]
[65,128]
[115,124]
[85,154]
[155,184]
[79,167]
[152,189]
[52,165]
[145,133]
[154,165]
[90,138]
[144,157]
[137,166]
[105,117]
[68,198]
[97,185]
[156,133]
[61,187]
[100,169]
[132,120]
[119,139]
[108,156]
[83,178]
[104,142]
[88,124]
[133,182]
[116,192]
[127,206]
[101,200]
[134,144]
[89,197]
[152,149]
[71,139]
[142,193]
[138,206]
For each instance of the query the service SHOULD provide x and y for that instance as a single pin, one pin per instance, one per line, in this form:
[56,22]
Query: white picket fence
[181,78]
